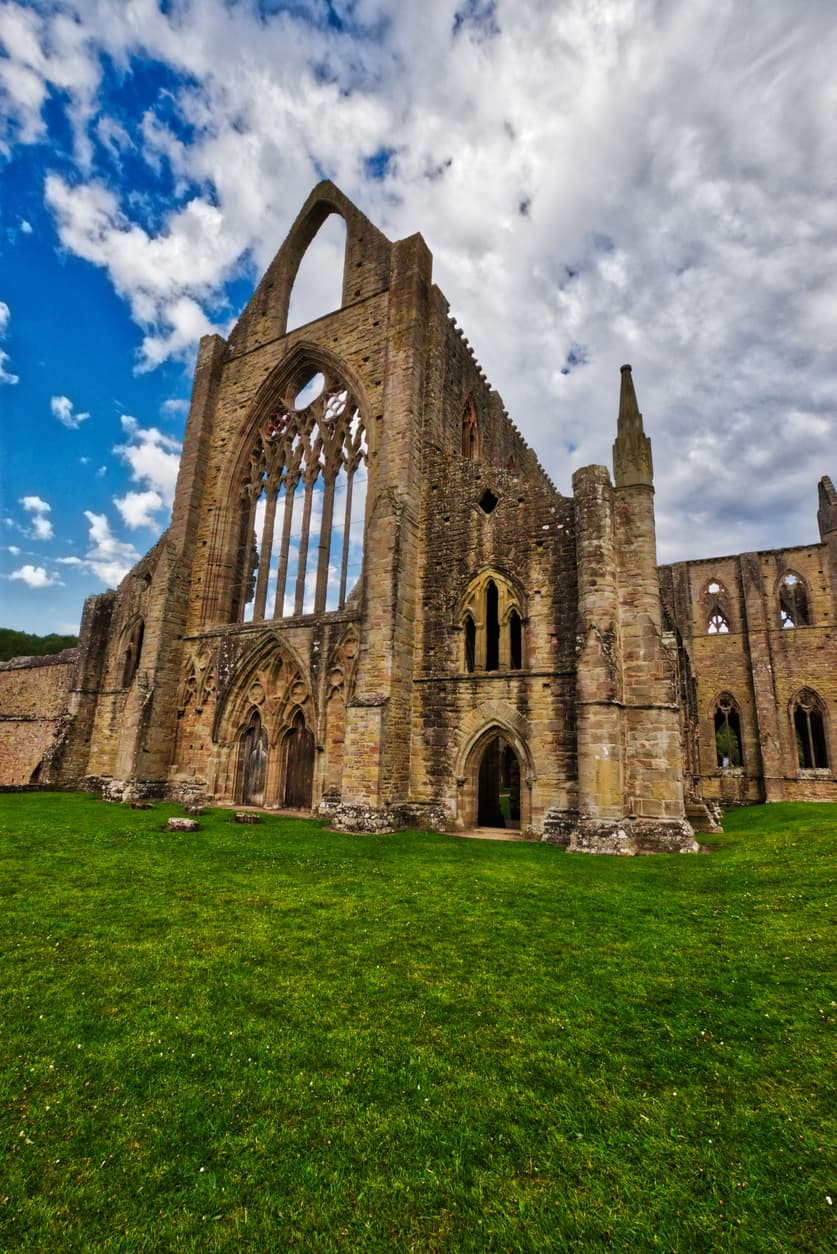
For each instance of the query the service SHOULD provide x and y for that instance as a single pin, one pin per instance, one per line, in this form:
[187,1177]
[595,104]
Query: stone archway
[299,765]
[252,768]
[494,772]
[498,785]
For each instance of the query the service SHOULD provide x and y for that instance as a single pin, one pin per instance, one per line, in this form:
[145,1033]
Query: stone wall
[33,703]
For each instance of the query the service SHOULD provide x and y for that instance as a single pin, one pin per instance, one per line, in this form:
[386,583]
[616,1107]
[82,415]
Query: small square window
[488,501]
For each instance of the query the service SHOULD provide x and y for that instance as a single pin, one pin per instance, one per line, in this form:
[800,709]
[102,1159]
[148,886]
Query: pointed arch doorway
[498,785]
[252,771]
[299,765]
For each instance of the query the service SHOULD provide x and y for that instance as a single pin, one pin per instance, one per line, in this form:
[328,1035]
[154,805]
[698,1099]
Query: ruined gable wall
[33,699]
[761,664]
[527,538]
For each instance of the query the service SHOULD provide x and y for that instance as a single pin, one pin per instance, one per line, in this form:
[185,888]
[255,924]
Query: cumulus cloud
[107,557]
[35,576]
[40,527]
[153,459]
[5,375]
[598,183]
[62,409]
[138,509]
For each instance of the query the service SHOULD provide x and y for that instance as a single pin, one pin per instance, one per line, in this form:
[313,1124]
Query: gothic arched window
[715,600]
[728,748]
[809,729]
[492,623]
[305,487]
[470,432]
[793,601]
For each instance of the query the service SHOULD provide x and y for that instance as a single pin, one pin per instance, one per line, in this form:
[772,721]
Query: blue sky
[625,181]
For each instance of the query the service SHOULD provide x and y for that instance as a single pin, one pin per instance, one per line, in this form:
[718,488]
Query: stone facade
[371,601]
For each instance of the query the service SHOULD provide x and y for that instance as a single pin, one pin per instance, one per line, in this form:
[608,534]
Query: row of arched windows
[794,606]
[808,722]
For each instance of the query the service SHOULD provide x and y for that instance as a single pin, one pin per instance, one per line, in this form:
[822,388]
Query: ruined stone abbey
[372,602]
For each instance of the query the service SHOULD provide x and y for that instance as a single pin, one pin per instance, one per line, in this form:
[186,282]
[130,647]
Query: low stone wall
[33,703]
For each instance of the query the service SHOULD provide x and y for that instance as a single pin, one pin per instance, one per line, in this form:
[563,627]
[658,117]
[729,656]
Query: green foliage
[280,1037]
[22,644]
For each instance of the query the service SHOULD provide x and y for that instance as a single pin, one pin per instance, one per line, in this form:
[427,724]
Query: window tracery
[728,748]
[715,599]
[492,622]
[794,608]
[809,730]
[306,481]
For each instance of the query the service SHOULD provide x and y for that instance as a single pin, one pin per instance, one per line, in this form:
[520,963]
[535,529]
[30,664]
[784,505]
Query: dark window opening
[488,501]
[470,644]
[515,641]
[492,628]
[810,733]
[727,734]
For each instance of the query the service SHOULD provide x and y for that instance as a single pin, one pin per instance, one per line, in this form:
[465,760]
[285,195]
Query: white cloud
[62,409]
[153,459]
[598,183]
[25,227]
[6,376]
[40,525]
[35,577]
[13,549]
[107,557]
[138,509]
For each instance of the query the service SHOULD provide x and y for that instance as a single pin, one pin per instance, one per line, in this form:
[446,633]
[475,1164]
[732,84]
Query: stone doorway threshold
[493,833]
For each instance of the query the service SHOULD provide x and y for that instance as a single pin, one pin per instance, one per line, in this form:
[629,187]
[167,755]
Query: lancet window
[728,732]
[470,432]
[809,728]
[303,504]
[492,625]
[793,601]
[717,618]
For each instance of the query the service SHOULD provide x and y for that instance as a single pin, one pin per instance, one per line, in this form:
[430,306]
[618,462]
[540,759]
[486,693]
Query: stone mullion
[281,578]
[266,550]
[310,479]
[347,526]
[325,540]
[246,574]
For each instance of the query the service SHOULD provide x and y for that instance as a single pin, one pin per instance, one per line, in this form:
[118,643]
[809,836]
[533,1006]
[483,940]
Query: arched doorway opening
[299,765]
[252,763]
[498,785]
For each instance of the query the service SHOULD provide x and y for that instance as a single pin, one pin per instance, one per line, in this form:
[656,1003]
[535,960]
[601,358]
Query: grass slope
[278,1037]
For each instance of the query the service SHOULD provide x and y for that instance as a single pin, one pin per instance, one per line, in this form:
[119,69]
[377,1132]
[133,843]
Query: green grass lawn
[280,1037]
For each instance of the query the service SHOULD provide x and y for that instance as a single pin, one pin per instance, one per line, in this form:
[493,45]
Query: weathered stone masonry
[372,601]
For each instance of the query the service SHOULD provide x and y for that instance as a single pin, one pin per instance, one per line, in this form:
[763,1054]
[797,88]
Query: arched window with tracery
[794,606]
[492,624]
[470,431]
[303,503]
[715,601]
[728,750]
[808,715]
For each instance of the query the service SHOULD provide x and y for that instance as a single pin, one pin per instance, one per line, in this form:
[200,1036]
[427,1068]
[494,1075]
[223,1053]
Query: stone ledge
[624,837]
